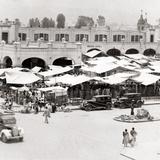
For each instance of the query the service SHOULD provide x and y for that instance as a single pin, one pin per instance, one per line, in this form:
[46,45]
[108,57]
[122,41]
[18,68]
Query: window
[45,37]
[19,35]
[96,38]
[67,37]
[86,36]
[41,35]
[100,37]
[132,38]
[114,38]
[118,38]
[36,37]
[105,36]
[59,37]
[136,38]
[151,38]
[79,37]
[24,37]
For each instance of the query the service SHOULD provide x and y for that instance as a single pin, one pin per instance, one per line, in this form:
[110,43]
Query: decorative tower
[141,24]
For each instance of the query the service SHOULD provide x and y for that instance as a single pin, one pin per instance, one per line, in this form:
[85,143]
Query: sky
[115,11]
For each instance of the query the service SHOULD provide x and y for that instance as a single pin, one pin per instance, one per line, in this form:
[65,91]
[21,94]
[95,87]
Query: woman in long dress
[125,138]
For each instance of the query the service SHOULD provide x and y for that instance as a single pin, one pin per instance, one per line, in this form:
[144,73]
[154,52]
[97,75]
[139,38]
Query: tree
[101,21]
[31,22]
[17,22]
[84,21]
[60,21]
[36,22]
[45,22]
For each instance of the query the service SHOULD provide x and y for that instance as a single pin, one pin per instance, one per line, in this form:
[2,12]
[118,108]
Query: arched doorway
[96,49]
[63,61]
[32,62]
[149,52]
[7,62]
[114,52]
[132,51]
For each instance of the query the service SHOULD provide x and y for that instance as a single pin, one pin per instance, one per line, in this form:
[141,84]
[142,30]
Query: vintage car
[128,100]
[8,128]
[97,102]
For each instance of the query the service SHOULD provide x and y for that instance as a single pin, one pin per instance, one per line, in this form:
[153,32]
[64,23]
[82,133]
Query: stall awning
[36,69]
[69,79]
[56,89]
[55,72]
[92,54]
[146,79]
[19,77]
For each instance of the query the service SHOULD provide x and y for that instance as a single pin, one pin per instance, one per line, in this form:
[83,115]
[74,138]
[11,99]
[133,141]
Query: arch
[63,61]
[92,49]
[114,52]
[32,62]
[7,62]
[132,51]
[149,52]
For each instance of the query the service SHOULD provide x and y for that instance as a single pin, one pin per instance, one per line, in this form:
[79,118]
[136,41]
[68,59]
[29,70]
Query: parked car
[8,128]
[97,102]
[128,100]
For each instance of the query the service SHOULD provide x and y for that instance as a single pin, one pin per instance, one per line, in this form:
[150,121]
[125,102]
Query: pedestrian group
[127,139]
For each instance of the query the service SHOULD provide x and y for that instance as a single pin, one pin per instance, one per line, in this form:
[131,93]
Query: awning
[69,79]
[19,77]
[56,89]
[92,54]
[24,88]
[36,69]
[146,79]
[55,72]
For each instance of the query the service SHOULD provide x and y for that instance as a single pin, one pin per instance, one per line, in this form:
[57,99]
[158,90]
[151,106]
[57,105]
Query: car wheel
[139,104]
[116,105]
[122,105]
[21,139]
[108,106]
[88,108]
[4,138]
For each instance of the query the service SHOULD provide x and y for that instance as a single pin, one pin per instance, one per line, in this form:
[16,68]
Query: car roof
[97,96]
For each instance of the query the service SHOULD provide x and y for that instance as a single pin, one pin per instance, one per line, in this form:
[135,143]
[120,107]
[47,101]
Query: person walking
[125,138]
[133,134]
[46,115]
[132,108]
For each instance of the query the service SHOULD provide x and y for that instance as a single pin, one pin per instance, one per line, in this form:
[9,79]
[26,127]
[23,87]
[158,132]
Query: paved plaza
[81,135]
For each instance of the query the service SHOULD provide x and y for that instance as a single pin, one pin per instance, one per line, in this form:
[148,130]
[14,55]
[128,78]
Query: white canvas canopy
[92,54]
[36,69]
[118,78]
[18,77]
[146,79]
[55,72]
[24,88]
[56,89]
[102,60]
[69,79]
[101,68]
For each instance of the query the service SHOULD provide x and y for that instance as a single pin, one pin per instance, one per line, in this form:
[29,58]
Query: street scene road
[83,135]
